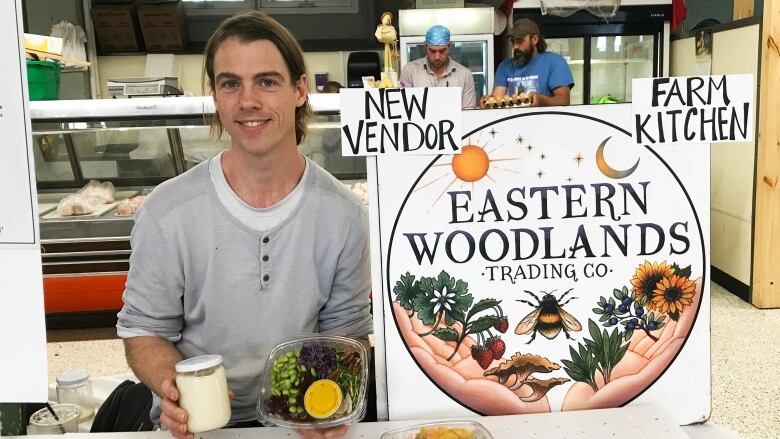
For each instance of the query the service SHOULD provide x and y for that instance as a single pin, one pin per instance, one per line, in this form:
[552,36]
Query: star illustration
[539,174]
[579,158]
[519,139]
[542,156]
[492,132]
[569,179]
[529,148]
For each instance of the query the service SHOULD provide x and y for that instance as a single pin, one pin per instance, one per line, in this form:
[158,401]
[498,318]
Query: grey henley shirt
[205,281]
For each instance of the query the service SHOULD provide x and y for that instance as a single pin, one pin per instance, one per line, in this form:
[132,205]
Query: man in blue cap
[542,75]
[437,69]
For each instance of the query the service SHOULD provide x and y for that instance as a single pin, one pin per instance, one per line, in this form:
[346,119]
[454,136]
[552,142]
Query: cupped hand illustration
[642,364]
[460,376]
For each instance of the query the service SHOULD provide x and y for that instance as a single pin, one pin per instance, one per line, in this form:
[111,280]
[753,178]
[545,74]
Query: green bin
[43,80]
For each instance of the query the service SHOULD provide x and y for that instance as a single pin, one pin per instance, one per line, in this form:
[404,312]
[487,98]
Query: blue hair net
[437,36]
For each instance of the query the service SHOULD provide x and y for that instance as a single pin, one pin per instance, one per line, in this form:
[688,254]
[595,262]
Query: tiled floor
[745,353]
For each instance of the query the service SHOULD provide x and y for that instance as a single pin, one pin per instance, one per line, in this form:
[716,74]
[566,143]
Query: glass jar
[74,387]
[43,422]
[203,392]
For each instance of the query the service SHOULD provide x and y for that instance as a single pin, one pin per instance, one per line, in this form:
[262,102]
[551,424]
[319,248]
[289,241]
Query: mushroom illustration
[541,387]
[521,366]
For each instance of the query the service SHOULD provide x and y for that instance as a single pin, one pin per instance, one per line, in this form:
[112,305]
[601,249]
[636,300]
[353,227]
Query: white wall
[731,200]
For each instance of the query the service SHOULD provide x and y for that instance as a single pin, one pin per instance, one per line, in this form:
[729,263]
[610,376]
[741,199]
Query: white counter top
[626,422]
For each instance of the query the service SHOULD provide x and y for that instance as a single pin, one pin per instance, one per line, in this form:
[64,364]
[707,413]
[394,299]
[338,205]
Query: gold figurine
[387,35]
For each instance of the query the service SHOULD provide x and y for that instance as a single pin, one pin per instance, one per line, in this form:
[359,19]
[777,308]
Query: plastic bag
[129,206]
[101,193]
[73,40]
[74,205]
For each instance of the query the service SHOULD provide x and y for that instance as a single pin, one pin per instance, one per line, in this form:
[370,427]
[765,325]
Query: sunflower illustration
[672,295]
[647,276]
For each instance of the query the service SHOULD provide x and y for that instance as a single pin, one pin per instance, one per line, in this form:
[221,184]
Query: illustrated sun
[470,166]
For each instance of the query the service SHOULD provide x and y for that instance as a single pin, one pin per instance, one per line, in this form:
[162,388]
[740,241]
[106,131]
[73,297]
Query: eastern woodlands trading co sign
[553,264]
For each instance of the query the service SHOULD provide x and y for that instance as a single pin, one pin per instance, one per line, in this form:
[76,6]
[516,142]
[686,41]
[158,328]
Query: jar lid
[73,376]
[322,399]
[195,364]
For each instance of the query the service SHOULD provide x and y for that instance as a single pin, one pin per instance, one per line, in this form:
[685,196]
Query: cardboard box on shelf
[163,25]
[116,26]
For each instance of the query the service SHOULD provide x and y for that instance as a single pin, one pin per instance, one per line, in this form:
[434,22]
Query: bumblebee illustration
[549,317]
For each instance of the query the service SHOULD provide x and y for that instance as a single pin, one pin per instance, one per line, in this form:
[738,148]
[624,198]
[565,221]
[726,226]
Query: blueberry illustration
[623,308]
[639,312]
[652,326]
[608,309]
[613,321]
[627,300]
[630,326]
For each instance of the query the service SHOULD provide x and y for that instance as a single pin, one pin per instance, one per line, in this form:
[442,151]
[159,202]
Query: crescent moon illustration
[608,170]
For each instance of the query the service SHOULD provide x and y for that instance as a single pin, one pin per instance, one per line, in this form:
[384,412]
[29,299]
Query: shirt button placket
[264,258]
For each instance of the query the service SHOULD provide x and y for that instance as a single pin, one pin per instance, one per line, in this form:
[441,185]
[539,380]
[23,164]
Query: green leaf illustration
[482,305]
[442,295]
[446,334]
[481,324]
[682,272]
[582,366]
[406,290]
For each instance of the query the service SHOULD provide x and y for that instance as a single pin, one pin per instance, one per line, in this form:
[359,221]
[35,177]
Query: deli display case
[133,144]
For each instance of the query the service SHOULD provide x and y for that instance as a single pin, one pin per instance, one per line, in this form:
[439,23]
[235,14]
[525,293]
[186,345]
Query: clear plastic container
[203,392]
[74,387]
[441,430]
[317,381]
[43,422]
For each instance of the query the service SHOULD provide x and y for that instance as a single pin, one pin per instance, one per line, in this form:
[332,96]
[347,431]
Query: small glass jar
[203,392]
[74,387]
[43,422]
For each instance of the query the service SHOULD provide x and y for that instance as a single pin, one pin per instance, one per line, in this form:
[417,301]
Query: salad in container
[317,381]
[441,430]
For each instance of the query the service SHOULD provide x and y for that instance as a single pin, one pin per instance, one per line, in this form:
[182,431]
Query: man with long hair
[250,248]
[545,76]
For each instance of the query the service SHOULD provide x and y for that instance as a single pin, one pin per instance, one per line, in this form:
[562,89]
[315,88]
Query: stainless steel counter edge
[169,106]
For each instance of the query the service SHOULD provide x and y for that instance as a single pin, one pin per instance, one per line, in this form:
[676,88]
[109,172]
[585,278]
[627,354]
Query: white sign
[23,376]
[553,265]
[693,109]
[379,121]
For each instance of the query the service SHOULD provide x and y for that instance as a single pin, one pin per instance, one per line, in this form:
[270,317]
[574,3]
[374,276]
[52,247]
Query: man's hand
[323,433]
[561,96]
[173,416]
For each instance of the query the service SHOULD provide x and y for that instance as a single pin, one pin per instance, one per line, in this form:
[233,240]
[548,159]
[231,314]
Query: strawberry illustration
[502,325]
[482,355]
[496,346]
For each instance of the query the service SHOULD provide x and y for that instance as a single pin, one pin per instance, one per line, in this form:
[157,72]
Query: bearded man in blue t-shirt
[543,75]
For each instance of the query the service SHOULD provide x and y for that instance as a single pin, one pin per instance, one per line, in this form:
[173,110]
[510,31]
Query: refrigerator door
[573,51]
[615,61]
[473,51]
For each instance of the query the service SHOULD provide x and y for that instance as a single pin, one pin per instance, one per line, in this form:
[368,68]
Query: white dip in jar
[203,392]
